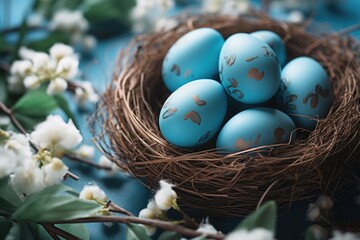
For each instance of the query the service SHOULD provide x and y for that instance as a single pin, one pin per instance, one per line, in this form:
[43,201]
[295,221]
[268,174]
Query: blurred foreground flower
[255,234]
[148,14]
[232,8]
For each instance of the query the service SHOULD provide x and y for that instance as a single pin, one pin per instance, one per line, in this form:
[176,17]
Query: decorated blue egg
[249,69]
[275,42]
[253,128]
[193,114]
[193,56]
[305,92]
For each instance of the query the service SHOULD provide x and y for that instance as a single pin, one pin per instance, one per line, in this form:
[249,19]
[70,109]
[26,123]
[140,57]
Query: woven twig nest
[231,184]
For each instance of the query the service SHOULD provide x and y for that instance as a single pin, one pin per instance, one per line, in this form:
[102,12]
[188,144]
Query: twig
[16,29]
[59,232]
[151,222]
[90,163]
[189,221]
[115,208]
[51,233]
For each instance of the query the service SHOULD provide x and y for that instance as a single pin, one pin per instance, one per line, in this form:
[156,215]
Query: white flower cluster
[58,69]
[75,24]
[232,8]
[255,234]
[165,198]
[149,14]
[206,228]
[29,172]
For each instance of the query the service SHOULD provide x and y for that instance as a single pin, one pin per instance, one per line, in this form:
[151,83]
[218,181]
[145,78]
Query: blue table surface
[128,192]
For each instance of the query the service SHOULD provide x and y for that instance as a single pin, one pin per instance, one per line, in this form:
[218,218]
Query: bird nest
[316,162]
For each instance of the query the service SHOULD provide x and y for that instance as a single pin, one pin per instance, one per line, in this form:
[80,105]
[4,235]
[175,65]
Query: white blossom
[88,42]
[255,234]
[27,178]
[92,192]
[60,50]
[295,17]
[41,61]
[206,228]
[26,53]
[32,82]
[70,21]
[21,68]
[85,93]
[85,151]
[165,197]
[147,214]
[146,13]
[67,67]
[19,144]
[337,235]
[324,202]
[55,133]
[56,86]
[165,24]
[313,212]
[226,7]
[54,171]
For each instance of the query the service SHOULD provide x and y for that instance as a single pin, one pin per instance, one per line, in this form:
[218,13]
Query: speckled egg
[249,69]
[305,90]
[193,114]
[255,127]
[275,42]
[193,56]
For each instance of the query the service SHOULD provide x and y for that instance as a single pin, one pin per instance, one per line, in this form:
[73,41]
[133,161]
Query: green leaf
[3,88]
[79,230]
[9,200]
[64,106]
[5,227]
[28,230]
[309,234]
[136,232]
[264,217]
[36,103]
[55,205]
[28,122]
[169,236]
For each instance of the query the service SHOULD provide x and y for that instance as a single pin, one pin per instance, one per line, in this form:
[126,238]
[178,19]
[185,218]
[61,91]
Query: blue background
[129,193]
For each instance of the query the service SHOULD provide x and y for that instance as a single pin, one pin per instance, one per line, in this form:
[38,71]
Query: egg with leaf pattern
[253,128]
[193,56]
[193,114]
[305,92]
[249,69]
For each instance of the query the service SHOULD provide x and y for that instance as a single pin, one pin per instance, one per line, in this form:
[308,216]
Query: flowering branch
[21,129]
[151,222]
[115,208]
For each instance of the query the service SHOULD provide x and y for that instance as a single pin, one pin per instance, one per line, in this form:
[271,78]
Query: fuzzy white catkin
[255,234]
[92,192]
[148,214]
[206,228]
[54,171]
[85,151]
[165,196]
[8,162]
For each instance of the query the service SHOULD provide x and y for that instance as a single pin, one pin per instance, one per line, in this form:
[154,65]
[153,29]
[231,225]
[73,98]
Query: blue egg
[249,69]
[193,56]
[193,114]
[305,91]
[275,42]
[253,128]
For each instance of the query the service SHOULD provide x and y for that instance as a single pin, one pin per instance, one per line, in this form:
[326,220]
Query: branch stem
[151,222]
[115,208]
